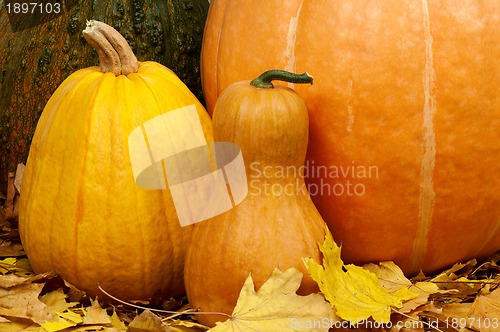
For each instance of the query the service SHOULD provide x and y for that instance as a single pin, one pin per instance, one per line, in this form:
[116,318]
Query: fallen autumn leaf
[276,307]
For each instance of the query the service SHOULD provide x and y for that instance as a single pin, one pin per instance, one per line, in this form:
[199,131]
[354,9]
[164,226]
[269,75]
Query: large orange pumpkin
[404,146]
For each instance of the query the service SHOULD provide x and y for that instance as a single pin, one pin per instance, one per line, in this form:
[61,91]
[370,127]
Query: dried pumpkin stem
[266,78]
[115,54]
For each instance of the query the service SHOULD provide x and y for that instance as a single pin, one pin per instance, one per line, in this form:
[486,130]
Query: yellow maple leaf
[20,267]
[56,301]
[63,321]
[7,265]
[117,323]
[355,292]
[277,307]
[56,325]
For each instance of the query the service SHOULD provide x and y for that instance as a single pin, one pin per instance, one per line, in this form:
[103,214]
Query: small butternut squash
[82,215]
[276,225]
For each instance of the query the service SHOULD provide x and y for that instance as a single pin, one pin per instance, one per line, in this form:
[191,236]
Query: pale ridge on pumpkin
[216,81]
[427,194]
[350,107]
[289,55]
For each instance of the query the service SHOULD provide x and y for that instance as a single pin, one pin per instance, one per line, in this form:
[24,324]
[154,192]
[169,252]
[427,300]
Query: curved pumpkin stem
[115,54]
[266,78]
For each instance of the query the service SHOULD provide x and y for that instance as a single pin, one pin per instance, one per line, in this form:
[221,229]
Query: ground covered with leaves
[375,297]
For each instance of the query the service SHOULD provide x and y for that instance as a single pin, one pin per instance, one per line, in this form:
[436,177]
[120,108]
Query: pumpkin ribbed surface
[276,225]
[405,105]
[82,214]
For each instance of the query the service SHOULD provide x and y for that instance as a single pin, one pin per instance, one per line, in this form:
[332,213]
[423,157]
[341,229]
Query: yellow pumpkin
[277,224]
[82,215]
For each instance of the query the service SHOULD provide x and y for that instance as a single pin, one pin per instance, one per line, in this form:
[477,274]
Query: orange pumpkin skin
[276,225]
[408,88]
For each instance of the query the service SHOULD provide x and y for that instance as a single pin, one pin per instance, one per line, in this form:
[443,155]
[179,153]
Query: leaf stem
[176,313]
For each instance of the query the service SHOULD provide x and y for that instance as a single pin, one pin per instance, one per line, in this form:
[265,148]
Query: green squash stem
[266,78]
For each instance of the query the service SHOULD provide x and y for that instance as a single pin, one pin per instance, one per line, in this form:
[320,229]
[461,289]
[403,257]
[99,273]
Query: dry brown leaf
[22,302]
[419,277]
[424,290]
[463,285]
[277,307]
[457,311]
[3,217]
[17,325]
[147,322]
[462,269]
[410,321]
[12,280]
[186,326]
[20,299]
[485,312]
[18,179]
[390,276]
[11,205]
[96,315]
[11,249]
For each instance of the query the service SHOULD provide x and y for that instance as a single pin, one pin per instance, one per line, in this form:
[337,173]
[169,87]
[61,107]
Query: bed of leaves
[375,297]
